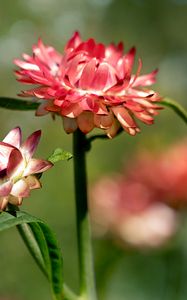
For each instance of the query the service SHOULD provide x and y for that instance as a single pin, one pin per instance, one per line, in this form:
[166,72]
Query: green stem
[87,280]
[179,109]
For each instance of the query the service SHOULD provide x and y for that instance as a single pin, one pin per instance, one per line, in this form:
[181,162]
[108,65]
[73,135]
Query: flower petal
[103,122]
[20,189]
[5,150]
[37,166]
[15,200]
[13,137]
[29,146]
[126,121]
[69,124]
[5,188]
[88,74]
[33,182]
[85,122]
[113,130]
[3,203]
[16,164]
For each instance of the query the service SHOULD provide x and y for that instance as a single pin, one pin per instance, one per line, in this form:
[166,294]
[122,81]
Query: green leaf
[17,104]
[48,252]
[181,111]
[60,154]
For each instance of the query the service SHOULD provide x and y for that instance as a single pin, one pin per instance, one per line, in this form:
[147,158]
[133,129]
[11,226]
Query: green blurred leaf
[60,154]
[179,109]
[17,104]
[46,242]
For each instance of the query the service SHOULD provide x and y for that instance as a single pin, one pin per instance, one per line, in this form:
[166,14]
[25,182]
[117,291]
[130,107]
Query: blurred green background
[158,30]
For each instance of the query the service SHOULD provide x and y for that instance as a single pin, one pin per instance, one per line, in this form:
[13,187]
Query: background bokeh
[158,30]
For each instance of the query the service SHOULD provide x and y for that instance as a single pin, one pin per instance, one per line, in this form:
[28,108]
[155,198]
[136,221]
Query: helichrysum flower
[131,213]
[90,85]
[18,168]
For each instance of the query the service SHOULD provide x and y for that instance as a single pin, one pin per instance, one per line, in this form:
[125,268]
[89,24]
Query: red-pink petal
[26,66]
[126,121]
[29,146]
[145,80]
[69,124]
[113,130]
[85,122]
[74,41]
[101,77]
[88,74]
[72,111]
[41,110]
[35,166]
[13,137]
[103,122]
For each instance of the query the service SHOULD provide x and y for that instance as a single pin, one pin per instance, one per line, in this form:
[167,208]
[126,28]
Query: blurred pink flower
[18,168]
[164,173]
[89,85]
[129,211]
[142,205]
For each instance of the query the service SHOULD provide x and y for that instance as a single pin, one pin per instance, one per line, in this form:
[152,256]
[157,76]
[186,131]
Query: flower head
[89,85]
[18,168]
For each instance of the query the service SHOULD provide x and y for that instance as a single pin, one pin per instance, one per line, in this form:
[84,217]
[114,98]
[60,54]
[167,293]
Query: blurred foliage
[157,28]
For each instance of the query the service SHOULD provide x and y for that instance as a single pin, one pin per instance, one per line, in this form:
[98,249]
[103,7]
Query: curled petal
[35,166]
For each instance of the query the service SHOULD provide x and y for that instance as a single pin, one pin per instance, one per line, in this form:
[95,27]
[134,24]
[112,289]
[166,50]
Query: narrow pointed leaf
[47,244]
[17,104]
[60,154]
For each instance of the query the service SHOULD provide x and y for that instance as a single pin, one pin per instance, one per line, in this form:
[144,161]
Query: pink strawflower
[18,168]
[90,85]
[142,205]
[130,212]
[164,173]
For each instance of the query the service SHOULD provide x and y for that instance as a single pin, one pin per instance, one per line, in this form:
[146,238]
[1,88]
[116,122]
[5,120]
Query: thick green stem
[87,280]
